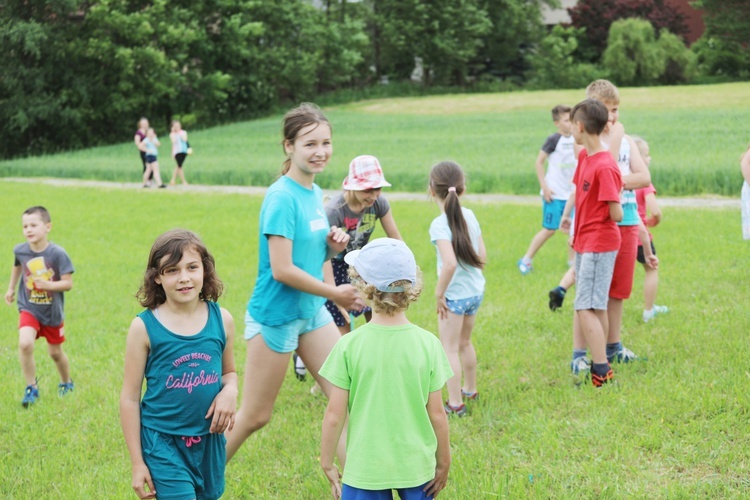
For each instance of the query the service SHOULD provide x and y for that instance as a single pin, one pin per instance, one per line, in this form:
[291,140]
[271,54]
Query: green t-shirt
[389,372]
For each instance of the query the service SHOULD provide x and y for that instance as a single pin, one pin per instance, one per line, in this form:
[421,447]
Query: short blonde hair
[387,302]
[641,143]
[604,91]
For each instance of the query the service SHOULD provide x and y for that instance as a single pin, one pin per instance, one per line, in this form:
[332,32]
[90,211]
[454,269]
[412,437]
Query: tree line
[78,73]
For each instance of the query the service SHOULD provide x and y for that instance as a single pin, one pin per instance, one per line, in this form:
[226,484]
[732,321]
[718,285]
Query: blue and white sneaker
[299,368]
[580,368]
[63,389]
[30,396]
[524,267]
[649,315]
[625,355]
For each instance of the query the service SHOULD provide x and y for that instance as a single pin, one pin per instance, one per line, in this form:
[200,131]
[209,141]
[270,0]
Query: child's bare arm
[745,166]
[15,275]
[333,424]
[439,423]
[652,207]
[615,210]
[539,165]
[639,176]
[389,226]
[569,205]
[64,284]
[136,353]
[450,263]
[224,406]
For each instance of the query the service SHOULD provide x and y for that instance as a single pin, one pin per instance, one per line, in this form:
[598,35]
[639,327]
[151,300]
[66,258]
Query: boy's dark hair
[172,245]
[592,113]
[444,176]
[41,211]
[558,111]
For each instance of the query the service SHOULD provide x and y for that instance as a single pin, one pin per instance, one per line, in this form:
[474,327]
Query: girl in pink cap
[356,210]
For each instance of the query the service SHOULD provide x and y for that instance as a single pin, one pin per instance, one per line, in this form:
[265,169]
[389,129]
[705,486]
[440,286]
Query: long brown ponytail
[447,182]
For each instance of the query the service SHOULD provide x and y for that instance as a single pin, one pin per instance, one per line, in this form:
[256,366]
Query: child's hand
[348,298]
[442,307]
[10,296]
[565,225]
[652,261]
[41,283]
[334,477]
[547,194]
[570,242]
[337,239]
[651,221]
[142,479]
[438,482]
[223,409]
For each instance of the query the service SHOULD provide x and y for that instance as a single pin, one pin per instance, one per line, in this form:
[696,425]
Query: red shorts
[622,279]
[53,334]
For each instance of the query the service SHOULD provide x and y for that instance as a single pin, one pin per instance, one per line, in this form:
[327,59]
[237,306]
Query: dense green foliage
[673,427]
[724,50]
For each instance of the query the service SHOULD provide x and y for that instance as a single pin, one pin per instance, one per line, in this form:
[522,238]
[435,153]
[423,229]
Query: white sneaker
[649,315]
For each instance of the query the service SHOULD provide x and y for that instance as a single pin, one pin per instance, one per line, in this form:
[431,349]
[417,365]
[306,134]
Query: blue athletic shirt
[183,375]
[296,213]
[628,201]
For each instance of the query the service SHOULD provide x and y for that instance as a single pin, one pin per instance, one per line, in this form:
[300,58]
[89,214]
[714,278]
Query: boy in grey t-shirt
[45,272]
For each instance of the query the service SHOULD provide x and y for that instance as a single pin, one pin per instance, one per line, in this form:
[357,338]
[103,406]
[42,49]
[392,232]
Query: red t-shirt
[640,198]
[598,181]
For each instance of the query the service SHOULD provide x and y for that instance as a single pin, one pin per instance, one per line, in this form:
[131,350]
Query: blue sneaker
[63,389]
[556,298]
[30,396]
[459,411]
[625,355]
[523,267]
[580,368]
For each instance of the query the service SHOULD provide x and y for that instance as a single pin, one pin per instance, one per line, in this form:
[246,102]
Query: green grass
[674,426]
[696,133]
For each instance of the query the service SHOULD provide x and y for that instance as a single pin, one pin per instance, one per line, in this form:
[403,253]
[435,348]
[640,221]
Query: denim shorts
[285,338]
[465,307]
[150,158]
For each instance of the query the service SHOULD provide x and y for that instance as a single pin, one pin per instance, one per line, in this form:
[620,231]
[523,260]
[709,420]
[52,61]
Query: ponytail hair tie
[452,189]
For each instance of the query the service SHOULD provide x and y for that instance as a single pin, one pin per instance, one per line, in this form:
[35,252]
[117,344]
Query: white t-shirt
[561,165]
[468,281]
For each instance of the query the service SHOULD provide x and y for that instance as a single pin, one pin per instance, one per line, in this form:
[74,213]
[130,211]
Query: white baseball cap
[384,261]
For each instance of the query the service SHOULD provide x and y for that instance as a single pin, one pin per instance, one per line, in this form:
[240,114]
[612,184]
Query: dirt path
[699,202]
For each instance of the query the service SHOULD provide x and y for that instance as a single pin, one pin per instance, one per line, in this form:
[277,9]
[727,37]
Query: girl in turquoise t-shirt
[181,345]
[460,288]
[286,312]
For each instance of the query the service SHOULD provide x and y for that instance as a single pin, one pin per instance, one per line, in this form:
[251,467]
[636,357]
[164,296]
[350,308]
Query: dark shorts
[150,158]
[184,468]
[414,493]
[180,159]
[641,257]
[341,277]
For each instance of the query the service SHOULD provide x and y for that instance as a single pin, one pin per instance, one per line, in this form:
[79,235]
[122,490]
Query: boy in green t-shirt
[388,374]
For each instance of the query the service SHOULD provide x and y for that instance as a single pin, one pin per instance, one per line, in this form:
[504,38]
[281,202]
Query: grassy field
[674,426]
[696,133]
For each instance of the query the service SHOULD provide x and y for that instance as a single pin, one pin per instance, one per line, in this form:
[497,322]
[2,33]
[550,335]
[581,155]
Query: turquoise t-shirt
[467,281]
[389,372]
[628,201]
[296,213]
[183,375]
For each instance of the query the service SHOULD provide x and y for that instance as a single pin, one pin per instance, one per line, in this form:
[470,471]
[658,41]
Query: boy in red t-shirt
[597,238]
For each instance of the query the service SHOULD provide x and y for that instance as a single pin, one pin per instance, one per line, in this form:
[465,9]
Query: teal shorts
[184,468]
[552,214]
[285,338]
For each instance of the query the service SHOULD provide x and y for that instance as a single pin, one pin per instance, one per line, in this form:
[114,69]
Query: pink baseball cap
[365,173]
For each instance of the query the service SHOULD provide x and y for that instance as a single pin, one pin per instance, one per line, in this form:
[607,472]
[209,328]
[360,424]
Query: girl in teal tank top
[181,345]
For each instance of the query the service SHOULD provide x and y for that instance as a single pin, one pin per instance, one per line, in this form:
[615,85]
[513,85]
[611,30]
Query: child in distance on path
[179,138]
[461,255]
[597,238]
[150,144]
[181,345]
[47,273]
[356,211]
[650,214]
[745,195]
[556,186]
[388,375]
